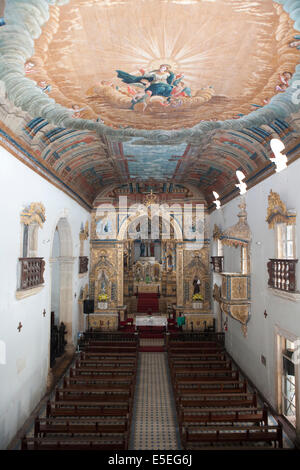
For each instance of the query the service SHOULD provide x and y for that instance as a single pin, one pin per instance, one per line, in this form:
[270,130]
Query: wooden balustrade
[218,263]
[32,272]
[83,264]
[282,274]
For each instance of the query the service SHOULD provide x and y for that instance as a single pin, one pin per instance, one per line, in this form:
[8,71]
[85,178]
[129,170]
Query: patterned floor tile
[155,424]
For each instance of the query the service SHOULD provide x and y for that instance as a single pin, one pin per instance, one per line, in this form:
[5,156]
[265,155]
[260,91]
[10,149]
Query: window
[285,241]
[220,248]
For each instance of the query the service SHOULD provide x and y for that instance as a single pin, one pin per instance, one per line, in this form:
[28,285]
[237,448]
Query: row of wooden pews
[92,409]
[214,407]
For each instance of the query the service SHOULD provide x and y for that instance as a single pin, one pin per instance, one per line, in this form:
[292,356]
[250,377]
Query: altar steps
[150,335]
[151,349]
[154,344]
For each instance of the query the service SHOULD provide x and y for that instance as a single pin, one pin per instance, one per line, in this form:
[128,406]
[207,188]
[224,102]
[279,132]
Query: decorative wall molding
[22,294]
[292,296]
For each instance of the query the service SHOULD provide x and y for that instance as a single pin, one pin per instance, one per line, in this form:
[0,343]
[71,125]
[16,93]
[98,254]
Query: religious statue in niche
[139,274]
[104,227]
[148,277]
[103,283]
[156,272]
[196,284]
[170,262]
[125,259]
[142,249]
[152,249]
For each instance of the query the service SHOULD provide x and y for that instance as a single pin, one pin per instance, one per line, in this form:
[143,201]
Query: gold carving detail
[84,232]
[277,212]
[35,213]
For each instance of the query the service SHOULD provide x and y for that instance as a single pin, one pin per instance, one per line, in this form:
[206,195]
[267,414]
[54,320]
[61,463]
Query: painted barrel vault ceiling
[66,112]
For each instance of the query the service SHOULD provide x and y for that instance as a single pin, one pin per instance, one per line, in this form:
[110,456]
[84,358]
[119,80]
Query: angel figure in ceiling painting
[161,82]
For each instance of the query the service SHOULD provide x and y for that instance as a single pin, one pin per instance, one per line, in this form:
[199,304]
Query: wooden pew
[47,426]
[103,396]
[93,408]
[86,370]
[216,386]
[181,366]
[107,408]
[225,415]
[110,349]
[195,436]
[105,387]
[194,344]
[218,401]
[115,337]
[188,376]
[114,344]
[102,377]
[74,443]
[213,352]
[109,356]
[132,362]
[218,356]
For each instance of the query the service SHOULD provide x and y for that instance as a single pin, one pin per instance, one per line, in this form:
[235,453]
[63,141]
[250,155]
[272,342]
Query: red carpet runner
[147,302]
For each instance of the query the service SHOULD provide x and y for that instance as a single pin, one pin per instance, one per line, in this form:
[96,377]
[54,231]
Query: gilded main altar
[123,266]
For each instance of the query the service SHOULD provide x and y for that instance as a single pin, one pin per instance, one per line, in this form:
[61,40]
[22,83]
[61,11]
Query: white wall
[284,313]
[23,377]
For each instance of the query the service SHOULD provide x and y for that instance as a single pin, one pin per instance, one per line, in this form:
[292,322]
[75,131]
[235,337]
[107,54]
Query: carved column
[179,274]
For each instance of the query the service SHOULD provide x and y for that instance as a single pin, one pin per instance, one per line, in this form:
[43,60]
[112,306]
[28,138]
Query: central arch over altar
[150,263]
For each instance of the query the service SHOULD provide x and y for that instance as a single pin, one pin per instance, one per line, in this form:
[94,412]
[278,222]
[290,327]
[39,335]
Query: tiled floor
[154,424]
[152,342]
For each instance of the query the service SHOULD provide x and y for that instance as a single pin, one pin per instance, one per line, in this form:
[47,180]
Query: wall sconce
[280,160]
[217,202]
[242,186]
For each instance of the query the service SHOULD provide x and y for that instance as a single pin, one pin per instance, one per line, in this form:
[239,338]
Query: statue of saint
[196,284]
[142,249]
[152,249]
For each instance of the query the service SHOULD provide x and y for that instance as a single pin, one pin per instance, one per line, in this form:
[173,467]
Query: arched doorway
[62,263]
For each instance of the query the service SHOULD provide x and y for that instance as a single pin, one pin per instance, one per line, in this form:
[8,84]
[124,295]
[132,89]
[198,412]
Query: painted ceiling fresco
[95,94]
[203,60]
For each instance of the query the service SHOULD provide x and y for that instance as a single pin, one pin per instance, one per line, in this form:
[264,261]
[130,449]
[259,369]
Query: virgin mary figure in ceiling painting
[162,82]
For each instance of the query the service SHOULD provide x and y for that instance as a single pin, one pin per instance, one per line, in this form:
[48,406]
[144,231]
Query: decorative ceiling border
[24,20]
[21,153]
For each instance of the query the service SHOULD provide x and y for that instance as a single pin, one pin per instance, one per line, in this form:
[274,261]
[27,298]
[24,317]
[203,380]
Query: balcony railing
[217,263]
[83,264]
[282,274]
[32,272]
